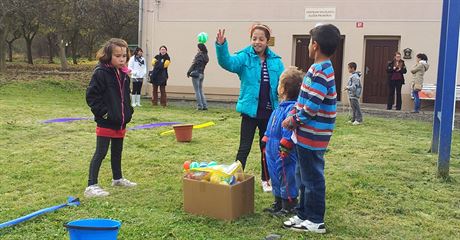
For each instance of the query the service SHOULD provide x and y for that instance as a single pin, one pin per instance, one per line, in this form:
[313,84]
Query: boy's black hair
[327,36]
[422,56]
[202,47]
[352,65]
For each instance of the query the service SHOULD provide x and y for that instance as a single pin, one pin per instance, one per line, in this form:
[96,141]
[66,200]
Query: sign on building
[313,14]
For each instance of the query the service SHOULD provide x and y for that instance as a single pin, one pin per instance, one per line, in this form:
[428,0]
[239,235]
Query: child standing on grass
[354,92]
[280,151]
[258,69]
[138,69]
[313,120]
[108,97]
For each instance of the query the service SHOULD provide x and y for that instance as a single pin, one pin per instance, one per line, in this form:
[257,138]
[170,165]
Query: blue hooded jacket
[246,63]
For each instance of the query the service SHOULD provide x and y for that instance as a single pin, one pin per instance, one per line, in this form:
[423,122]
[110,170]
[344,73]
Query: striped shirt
[315,110]
[264,109]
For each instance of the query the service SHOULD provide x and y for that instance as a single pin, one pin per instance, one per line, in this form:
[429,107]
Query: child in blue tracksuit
[280,151]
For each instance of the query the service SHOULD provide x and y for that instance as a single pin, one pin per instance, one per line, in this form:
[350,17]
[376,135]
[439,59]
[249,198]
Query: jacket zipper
[121,87]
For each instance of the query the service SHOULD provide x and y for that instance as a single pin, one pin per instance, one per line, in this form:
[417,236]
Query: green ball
[202,37]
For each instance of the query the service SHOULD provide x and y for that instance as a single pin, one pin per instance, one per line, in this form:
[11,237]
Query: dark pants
[357,115]
[312,185]
[394,86]
[137,86]
[102,146]
[162,96]
[247,131]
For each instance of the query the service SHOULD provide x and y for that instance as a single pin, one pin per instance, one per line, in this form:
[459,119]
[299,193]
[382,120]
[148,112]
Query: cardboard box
[225,202]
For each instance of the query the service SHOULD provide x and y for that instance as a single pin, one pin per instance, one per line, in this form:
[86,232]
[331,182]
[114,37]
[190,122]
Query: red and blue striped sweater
[313,117]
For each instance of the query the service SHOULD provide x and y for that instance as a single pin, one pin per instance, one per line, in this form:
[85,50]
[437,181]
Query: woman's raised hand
[220,39]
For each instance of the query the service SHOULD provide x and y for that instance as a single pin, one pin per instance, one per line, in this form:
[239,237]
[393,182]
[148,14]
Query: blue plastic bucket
[93,229]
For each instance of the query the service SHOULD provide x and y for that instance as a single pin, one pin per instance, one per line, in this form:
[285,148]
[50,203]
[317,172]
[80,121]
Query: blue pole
[439,81]
[448,92]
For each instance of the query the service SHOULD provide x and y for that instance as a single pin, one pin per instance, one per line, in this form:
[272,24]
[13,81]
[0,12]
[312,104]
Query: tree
[7,7]
[13,33]
[115,26]
[29,21]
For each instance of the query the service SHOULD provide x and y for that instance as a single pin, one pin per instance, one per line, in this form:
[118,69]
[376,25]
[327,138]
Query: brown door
[378,53]
[303,62]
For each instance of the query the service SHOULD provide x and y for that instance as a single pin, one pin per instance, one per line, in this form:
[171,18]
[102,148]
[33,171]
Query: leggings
[247,132]
[137,85]
[102,146]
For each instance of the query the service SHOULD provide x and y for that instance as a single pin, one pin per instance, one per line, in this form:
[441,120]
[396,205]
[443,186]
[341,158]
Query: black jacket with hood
[108,97]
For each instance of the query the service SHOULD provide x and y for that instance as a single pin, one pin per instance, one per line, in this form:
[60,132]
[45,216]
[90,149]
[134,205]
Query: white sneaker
[291,222]
[138,100]
[123,183]
[95,191]
[133,100]
[266,186]
[307,226]
[356,123]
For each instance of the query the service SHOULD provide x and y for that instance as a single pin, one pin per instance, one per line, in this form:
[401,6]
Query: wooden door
[378,54]
[303,62]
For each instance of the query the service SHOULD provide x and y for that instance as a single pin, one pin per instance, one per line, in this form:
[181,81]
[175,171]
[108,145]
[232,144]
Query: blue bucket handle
[90,228]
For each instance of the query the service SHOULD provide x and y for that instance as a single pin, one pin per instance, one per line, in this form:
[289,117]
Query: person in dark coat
[196,71]
[396,70]
[159,76]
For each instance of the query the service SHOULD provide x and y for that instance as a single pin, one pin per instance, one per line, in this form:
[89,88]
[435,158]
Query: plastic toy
[202,37]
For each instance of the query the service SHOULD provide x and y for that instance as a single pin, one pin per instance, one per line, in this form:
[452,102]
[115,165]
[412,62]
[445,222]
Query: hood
[358,73]
[425,64]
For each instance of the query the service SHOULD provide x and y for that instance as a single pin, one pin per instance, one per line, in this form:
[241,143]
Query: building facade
[372,31]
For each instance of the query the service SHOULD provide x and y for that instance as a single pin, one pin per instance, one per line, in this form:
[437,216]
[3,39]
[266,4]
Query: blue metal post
[448,91]
[439,81]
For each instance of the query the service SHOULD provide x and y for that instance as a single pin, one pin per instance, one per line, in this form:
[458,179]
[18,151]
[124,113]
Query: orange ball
[187,165]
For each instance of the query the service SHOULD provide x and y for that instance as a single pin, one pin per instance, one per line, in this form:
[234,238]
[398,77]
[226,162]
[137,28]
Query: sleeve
[354,83]
[154,60]
[310,98]
[94,95]
[286,140]
[404,69]
[416,68]
[390,67]
[267,131]
[192,67]
[231,63]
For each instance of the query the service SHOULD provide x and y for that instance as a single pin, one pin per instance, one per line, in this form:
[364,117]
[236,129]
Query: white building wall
[175,23]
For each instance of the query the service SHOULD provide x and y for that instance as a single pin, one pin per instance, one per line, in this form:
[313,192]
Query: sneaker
[275,207]
[291,222]
[356,123]
[123,183]
[95,191]
[266,186]
[307,226]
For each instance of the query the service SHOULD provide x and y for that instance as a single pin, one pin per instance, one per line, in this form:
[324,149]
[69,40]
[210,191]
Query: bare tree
[13,33]
[29,21]
[7,7]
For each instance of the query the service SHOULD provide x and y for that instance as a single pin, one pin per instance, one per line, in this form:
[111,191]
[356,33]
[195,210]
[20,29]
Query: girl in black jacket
[396,70]
[108,97]
[159,76]
[196,71]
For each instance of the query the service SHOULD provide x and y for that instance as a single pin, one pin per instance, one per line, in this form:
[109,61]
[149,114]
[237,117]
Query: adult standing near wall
[159,76]
[196,71]
[258,69]
[396,70]
[418,71]
[138,68]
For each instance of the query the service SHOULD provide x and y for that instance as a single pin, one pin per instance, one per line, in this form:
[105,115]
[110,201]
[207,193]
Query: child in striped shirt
[313,120]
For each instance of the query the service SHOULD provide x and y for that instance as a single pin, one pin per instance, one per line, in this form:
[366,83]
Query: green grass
[381,182]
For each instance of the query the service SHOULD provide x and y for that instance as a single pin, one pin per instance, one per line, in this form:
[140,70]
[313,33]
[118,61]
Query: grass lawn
[381,181]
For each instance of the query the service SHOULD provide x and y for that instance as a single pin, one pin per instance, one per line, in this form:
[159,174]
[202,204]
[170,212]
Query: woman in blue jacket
[258,69]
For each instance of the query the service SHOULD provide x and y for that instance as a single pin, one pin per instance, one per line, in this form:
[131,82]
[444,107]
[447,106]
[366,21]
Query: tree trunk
[62,57]
[2,50]
[49,37]
[74,54]
[10,51]
[29,51]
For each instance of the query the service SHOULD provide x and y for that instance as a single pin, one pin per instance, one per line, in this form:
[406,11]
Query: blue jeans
[311,183]
[198,86]
[416,100]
